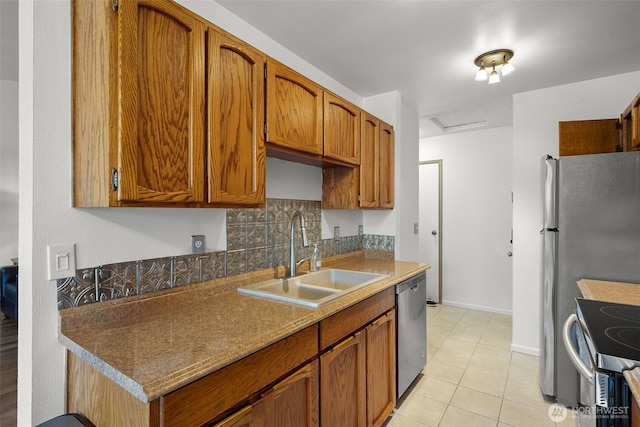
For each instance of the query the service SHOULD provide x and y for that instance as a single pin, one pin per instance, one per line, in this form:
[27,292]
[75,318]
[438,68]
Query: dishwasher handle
[587,373]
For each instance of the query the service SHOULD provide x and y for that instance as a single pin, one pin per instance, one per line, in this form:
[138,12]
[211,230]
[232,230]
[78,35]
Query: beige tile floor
[472,377]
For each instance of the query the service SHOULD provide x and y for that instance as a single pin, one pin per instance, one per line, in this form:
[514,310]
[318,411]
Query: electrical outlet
[336,233]
[197,244]
[61,261]
[360,230]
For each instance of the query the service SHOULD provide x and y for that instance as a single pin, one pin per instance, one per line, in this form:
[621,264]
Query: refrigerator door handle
[587,373]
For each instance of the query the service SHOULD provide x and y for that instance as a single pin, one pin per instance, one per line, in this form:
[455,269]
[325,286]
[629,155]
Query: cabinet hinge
[114,180]
[265,130]
[265,73]
[114,5]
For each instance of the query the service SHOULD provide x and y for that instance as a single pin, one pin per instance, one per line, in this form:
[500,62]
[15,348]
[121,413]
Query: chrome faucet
[293,265]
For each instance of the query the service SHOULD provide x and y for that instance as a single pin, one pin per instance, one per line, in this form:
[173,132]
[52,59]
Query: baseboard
[477,307]
[533,351]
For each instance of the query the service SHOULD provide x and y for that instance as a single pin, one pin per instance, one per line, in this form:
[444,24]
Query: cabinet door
[161,110]
[236,151]
[385,169]
[635,124]
[343,383]
[291,402]
[294,110]
[295,400]
[369,162]
[245,417]
[381,369]
[341,129]
[588,137]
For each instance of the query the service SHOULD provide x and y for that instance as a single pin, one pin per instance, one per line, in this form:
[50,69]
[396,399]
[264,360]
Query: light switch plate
[197,244]
[61,261]
[336,233]
[416,228]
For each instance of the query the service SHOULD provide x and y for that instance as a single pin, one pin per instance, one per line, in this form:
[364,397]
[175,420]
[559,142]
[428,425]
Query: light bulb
[481,75]
[507,68]
[494,77]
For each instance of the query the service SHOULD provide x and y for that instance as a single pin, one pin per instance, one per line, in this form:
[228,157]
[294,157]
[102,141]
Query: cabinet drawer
[349,320]
[207,398]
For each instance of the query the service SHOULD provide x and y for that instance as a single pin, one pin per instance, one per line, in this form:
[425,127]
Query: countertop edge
[157,388]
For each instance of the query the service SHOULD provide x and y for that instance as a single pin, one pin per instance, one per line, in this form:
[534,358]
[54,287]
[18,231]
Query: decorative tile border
[257,238]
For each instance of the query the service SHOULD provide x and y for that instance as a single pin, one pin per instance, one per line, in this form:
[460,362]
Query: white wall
[8,171]
[105,235]
[535,133]
[476,229]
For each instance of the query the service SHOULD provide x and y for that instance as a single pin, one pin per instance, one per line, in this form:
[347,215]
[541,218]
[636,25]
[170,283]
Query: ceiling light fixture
[493,59]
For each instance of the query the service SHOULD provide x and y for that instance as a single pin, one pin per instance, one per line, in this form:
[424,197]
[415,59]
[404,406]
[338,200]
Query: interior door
[430,225]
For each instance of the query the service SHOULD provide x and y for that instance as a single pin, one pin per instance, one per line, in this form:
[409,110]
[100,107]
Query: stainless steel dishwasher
[411,306]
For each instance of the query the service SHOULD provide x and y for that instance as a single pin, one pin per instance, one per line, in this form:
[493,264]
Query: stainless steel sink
[312,289]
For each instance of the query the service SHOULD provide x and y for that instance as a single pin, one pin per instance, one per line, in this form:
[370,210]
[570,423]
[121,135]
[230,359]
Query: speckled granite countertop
[624,293]
[155,343]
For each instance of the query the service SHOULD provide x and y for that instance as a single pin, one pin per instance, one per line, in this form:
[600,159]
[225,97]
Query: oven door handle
[587,373]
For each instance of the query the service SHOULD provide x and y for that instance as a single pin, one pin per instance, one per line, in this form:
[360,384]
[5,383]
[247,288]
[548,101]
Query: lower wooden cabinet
[338,372]
[343,384]
[357,376]
[291,402]
[381,368]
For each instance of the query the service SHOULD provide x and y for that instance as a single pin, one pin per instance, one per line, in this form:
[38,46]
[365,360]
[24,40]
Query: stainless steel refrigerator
[591,229]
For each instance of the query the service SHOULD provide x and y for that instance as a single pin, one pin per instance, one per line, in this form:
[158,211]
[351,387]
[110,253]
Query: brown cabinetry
[139,101]
[344,383]
[381,368]
[372,184]
[291,402]
[341,129]
[588,137]
[357,374]
[631,126]
[294,110]
[235,102]
[376,166]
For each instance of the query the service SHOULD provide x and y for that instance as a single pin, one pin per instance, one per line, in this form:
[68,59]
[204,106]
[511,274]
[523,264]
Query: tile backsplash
[257,238]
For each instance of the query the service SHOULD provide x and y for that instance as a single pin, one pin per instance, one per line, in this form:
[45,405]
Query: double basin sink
[312,289]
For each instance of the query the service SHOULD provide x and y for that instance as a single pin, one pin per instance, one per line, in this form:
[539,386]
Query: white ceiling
[425,49]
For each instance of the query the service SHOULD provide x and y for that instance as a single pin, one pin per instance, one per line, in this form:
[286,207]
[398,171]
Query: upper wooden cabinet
[140,108]
[341,129]
[588,137]
[631,126]
[235,102]
[370,162]
[376,163]
[385,170]
[370,185]
[294,109]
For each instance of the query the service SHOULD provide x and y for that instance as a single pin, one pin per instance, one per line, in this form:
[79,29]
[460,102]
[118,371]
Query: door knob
[434,232]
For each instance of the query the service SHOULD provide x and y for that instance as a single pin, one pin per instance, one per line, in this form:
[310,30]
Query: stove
[604,343]
[612,333]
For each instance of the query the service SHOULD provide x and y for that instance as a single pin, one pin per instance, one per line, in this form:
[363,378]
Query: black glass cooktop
[613,329]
